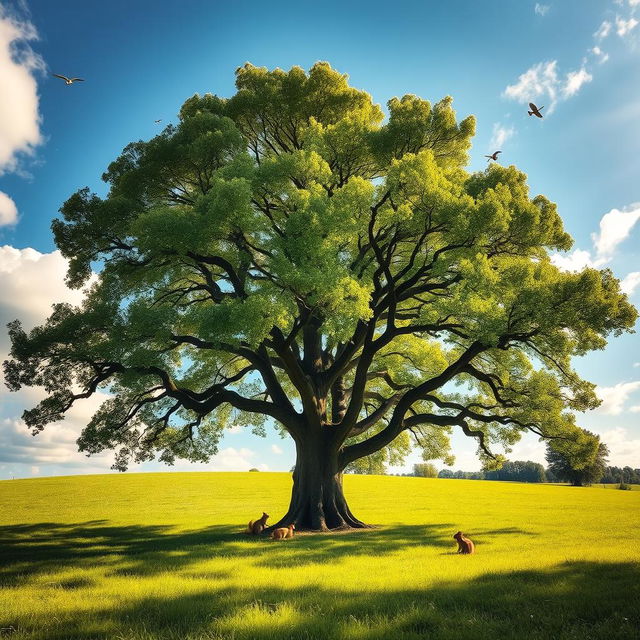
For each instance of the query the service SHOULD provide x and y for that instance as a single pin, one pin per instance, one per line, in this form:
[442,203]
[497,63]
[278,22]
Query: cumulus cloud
[19,107]
[541,9]
[576,260]
[8,210]
[574,81]
[542,81]
[614,398]
[232,459]
[276,449]
[500,134]
[56,445]
[601,56]
[623,27]
[630,283]
[30,282]
[615,227]
[624,449]
[603,30]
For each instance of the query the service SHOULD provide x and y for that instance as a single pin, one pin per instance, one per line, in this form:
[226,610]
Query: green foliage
[519,471]
[581,461]
[425,470]
[287,255]
[614,475]
[368,465]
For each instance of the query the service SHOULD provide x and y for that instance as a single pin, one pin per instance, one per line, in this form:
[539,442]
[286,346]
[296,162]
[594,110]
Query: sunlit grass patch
[121,557]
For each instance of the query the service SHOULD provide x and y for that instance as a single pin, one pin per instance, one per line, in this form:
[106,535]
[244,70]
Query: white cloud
[539,80]
[629,284]
[635,408]
[614,398]
[615,227]
[574,81]
[577,260]
[19,107]
[276,449]
[625,26]
[8,210]
[542,81]
[636,364]
[35,470]
[541,9]
[603,31]
[234,428]
[624,450]
[599,54]
[500,135]
[232,459]
[56,445]
[30,282]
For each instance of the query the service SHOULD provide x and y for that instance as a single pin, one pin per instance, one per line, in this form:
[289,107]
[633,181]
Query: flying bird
[67,80]
[535,111]
[156,121]
[493,156]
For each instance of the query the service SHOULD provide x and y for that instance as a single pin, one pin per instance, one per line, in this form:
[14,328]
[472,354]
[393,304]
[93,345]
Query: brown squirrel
[256,527]
[283,532]
[464,544]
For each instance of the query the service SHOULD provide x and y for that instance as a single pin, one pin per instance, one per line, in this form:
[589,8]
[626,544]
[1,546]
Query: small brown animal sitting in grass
[256,527]
[464,544]
[283,532]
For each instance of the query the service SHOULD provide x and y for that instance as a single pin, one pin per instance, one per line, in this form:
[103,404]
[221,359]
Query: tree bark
[317,500]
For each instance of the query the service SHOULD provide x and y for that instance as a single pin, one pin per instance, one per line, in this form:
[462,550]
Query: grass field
[146,556]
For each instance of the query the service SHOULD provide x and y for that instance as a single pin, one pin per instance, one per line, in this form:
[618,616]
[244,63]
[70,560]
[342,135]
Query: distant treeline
[527,471]
[518,471]
[614,475]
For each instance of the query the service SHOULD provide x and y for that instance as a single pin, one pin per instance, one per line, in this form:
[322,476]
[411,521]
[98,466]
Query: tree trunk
[317,501]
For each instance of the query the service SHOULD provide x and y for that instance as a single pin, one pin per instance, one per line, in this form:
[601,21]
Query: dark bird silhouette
[535,111]
[67,80]
[156,121]
[493,156]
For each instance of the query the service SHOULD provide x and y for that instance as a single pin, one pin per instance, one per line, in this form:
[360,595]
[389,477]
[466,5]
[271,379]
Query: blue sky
[142,59]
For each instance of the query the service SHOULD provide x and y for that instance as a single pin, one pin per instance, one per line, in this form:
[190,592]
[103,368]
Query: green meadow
[146,556]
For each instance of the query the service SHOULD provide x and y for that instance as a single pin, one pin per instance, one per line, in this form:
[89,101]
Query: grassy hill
[146,556]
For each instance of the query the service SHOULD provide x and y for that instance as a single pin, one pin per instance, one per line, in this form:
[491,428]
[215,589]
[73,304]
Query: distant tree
[425,470]
[445,473]
[254,469]
[519,471]
[614,475]
[293,254]
[580,462]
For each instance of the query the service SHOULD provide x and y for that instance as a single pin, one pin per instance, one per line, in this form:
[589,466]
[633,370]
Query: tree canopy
[581,462]
[295,254]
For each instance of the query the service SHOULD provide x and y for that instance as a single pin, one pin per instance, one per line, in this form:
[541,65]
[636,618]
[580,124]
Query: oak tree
[293,254]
